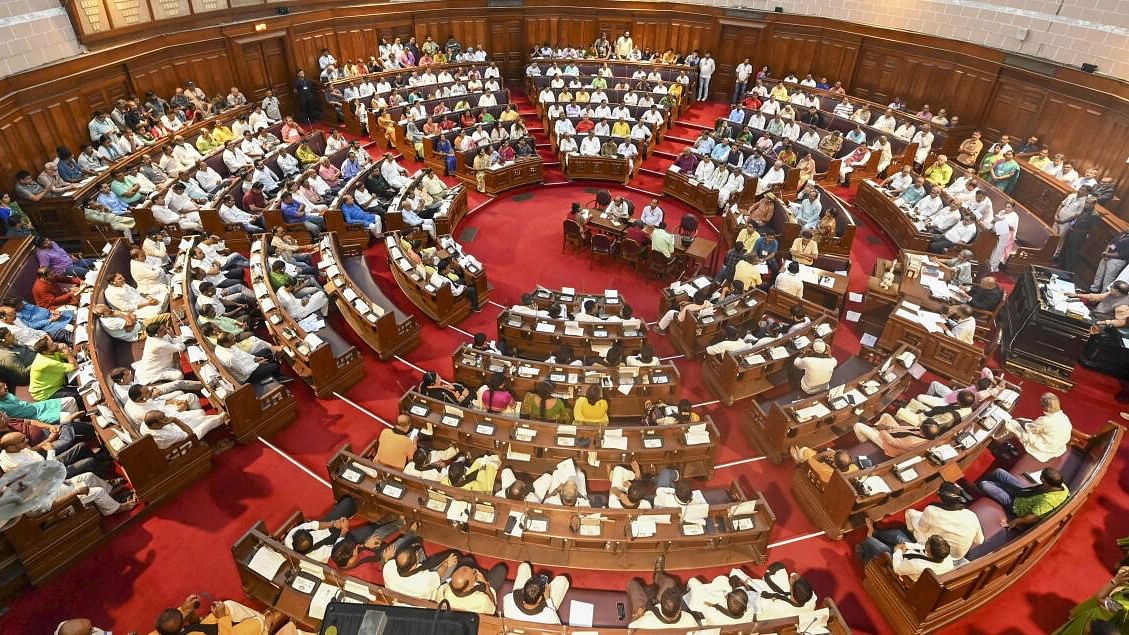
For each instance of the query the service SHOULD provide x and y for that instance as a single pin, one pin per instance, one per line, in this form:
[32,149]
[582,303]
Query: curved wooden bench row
[735,376]
[534,337]
[540,445]
[373,317]
[774,428]
[648,385]
[692,337]
[845,502]
[437,302]
[278,592]
[936,600]
[62,217]
[939,352]
[695,194]
[155,474]
[837,244]
[253,410]
[608,303]
[323,359]
[737,530]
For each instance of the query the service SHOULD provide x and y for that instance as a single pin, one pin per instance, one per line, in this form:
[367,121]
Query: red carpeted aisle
[184,545]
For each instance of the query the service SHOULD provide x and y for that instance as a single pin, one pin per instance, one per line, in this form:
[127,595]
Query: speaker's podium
[346,618]
[1042,337]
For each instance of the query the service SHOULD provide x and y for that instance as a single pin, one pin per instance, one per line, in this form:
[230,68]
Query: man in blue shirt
[754,165]
[765,250]
[857,135]
[353,213]
[295,212]
[112,202]
[720,151]
[350,167]
[56,324]
[912,194]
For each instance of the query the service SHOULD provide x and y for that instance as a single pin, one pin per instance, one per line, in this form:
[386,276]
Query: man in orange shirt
[396,446]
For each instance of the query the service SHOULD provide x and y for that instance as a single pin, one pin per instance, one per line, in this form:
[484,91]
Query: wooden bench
[608,303]
[379,490]
[692,337]
[939,352]
[775,427]
[323,359]
[277,591]
[540,445]
[994,566]
[439,303]
[373,317]
[532,337]
[649,385]
[253,410]
[578,167]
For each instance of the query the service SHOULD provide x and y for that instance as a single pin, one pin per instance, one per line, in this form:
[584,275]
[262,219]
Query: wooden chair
[659,266]
[603,198]
[688,226]
[602,246]
[633,252]
[573,236]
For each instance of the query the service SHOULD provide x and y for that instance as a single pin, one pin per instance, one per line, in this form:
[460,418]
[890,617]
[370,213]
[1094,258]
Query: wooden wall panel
[922,76]
[1084,116]
[801,51]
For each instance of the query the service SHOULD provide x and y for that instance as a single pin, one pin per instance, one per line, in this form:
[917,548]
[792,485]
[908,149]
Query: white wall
[1069,32]
[33,33]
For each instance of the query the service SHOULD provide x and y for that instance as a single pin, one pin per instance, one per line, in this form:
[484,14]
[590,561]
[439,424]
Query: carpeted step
[679,139]
[691,124]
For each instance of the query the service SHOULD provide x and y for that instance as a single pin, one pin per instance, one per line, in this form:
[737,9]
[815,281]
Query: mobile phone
[621,610]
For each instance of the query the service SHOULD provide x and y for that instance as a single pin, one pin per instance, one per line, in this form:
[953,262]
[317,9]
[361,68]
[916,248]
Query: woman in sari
[443,146]
[493,396]
[1005,172]
[436,387]
[306,156]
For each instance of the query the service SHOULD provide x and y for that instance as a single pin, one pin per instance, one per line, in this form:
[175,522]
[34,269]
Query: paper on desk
[322,597]
[197,354]
[854,297]
[853,316]
[266,562]
[458,511]
[868,339]
[917,370]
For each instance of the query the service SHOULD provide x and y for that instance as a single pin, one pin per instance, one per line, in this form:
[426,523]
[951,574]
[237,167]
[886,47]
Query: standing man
[705,71]
[624,45]
[742,72]
[306,93]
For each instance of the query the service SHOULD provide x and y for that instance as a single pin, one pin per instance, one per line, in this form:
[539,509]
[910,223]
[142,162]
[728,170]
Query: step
[642,191]
[658,173]
[664,154]
[691,124]
[671,137]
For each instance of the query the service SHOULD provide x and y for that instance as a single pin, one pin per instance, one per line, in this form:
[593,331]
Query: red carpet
[183,546]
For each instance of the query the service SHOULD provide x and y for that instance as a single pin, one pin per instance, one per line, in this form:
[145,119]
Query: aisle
[184,545]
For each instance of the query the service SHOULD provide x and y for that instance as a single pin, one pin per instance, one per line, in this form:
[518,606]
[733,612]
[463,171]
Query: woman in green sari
[1005,172]
[540,404]
[1111,604]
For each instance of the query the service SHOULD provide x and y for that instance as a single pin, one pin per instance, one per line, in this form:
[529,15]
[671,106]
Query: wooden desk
[573,302]
[837,244]
[155,474]
[253,410]
[651,385]
[533,337]
[323,359]
[577,166]
[842,504]
[774,428]
[702,198]
[521,172]
[46,543]
[702,251]
[373,317]
[735,376]
[931,602]
[538,446]
[277,592]
[939,352]
[380,490]
[1039,342]
[691,337]
[438,302]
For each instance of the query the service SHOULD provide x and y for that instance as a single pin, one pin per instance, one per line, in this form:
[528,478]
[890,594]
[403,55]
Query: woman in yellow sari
[306,156]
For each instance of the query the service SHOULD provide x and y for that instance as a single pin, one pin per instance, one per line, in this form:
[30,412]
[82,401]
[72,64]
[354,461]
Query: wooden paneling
[49,106]
[802,50]
[924,76]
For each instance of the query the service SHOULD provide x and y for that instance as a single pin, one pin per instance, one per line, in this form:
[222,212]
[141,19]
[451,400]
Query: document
[266,562]
[580,614]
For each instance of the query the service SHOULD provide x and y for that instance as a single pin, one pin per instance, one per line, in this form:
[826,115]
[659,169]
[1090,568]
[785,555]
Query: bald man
[472,591]
[78,626]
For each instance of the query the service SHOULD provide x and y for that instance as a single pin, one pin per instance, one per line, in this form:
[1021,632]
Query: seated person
[15,451]
[396,446]
[90,488]
[57,324]
[948,518]
[672,491]
[817,367]
[541,404]
[945,415]
[778,593]
[659,604]
[592,408]
[53,415]
[1047,437]
[246,367]
[436,387]
[1025,503]
[985,296]
[468,589]
[473,476]
[494,397]
[700,301]
[646,357]
[169,431]
[301,307]
[823,462]
[893,439]
[49,371]
[910,558]
[228,616]
[535,598]
[125,297]
[415,574]
[184,409]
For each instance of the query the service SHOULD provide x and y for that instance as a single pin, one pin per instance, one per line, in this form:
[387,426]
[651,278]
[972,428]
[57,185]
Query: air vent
[503,4]
[744,14]
[1031,64]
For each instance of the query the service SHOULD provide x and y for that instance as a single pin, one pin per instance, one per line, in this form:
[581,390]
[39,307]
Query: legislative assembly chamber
[531,317]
